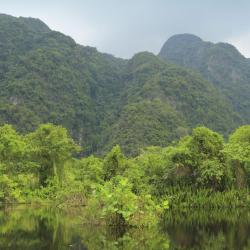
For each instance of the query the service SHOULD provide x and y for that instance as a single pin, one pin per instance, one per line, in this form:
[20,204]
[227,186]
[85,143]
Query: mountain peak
[220,63]
[31,24]
[186,37]
[34,24]
[180,44]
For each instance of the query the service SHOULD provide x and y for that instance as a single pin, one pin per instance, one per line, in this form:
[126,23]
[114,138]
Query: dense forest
[200,170]
[126,139]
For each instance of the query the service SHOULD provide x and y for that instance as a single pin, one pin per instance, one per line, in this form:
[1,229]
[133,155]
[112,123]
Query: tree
[51,147]
[206,147]
[113,163]
[89,172]
[180,167]
[205,143]
[12,148]
[211,174]
[15,164]
[238,147]
[199,159]
[238,153]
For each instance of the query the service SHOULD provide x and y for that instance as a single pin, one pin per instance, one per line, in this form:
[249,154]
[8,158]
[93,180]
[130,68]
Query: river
[44,228]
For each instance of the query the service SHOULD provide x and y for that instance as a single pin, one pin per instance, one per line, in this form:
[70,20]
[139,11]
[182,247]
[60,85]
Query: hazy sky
[124,27]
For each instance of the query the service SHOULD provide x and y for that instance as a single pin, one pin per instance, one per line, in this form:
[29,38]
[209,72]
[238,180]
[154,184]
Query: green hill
[47,77]
[162,101]
[102,100]
[220,63]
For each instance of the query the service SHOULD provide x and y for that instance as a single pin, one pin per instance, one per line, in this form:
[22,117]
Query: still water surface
[36,228]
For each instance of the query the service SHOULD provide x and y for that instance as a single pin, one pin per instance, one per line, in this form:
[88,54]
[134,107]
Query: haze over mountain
[147,100]
[124,28]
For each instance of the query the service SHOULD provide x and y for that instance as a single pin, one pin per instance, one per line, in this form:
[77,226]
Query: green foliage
[238,147]
[199,160]
[116,203]
[12,148]
[118,199]
[199,170]
[102,100]
[152,162]
[51,147]
[206,143]
[182,198]
[89,172]
[211,173]
[7,189]
[129,131]
[25,159]
[238,154]
[113,163]
[206,152]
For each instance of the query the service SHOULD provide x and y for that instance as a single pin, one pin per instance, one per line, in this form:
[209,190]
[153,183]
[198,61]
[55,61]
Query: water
[37,228]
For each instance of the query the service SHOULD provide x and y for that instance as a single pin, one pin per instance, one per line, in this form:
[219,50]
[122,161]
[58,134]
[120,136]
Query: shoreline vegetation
[200,170]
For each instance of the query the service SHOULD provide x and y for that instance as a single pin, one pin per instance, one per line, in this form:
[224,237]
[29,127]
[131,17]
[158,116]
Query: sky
[125,27]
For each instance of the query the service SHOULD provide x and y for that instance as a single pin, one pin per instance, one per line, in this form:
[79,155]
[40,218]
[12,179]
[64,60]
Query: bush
[115,203]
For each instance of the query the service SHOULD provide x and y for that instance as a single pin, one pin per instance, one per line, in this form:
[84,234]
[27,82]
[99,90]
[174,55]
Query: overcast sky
[124,27]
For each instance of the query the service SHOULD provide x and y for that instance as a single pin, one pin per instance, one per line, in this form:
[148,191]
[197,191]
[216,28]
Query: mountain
[46,77]
[162,101]
[102,100]
[220,63]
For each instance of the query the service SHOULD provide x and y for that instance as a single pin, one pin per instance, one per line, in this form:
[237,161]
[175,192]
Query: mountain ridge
[45,76]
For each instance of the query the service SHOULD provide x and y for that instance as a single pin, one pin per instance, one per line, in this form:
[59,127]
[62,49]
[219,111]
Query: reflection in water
[28,228]
[213,230]
[36,228]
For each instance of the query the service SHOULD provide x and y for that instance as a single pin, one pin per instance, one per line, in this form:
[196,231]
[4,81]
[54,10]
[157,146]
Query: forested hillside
[220,63]
[161,102]
[46,76]
[102,100]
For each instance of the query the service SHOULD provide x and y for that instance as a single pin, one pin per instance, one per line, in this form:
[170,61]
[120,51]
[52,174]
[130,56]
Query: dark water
[36,228]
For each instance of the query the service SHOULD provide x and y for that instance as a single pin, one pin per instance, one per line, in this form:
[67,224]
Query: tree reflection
[33,228]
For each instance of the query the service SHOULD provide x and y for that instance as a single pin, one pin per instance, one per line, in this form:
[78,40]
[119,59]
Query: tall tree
[51,148]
